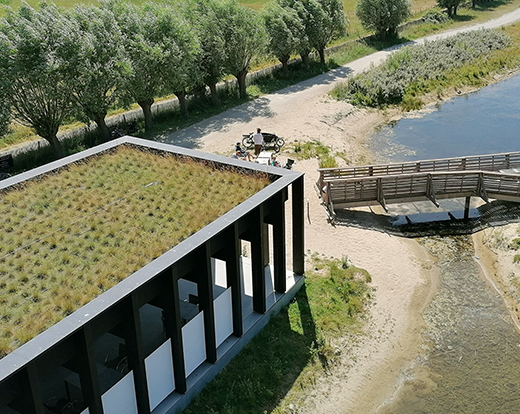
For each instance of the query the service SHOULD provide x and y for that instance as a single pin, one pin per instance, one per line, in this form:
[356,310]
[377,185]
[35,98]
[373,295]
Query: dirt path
[371,367]
[296,112]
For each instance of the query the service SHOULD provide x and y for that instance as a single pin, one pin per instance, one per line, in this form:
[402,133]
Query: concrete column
[173,326]
[134,346]
[257,259]
[234,279]
[88,374]
[205,289]
[279,247]
[298,227]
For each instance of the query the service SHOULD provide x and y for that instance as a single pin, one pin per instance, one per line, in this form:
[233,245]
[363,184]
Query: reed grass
[68,237]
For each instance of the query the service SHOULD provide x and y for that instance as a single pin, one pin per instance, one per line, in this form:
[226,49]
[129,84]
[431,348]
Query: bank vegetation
[445,66]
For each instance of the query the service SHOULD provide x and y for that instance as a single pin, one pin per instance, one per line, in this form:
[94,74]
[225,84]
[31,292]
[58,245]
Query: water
[471,363]
[471,356]
[483,122]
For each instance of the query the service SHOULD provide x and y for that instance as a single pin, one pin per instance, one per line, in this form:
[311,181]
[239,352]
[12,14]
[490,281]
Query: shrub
[408,69]
[435,16]
[328,162]
[411,103]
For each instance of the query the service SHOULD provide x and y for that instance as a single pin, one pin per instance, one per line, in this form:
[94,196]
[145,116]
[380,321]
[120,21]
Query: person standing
[258,139]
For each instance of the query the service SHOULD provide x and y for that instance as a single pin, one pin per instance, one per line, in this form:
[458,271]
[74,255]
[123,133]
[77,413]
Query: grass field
[70,236]
[282,363]
[356,49]
[349,6]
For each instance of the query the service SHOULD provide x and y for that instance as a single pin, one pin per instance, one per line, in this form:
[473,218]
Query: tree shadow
[190,136]
[462,18]
[390,44]
[490,5]
[266,369]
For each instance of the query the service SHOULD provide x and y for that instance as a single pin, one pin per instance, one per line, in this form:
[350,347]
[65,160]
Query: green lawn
[349,7]
[281,364]
[465,16]
[69,236]
[167,122]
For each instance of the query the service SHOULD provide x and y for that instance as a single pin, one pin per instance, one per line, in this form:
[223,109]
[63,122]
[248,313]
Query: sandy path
[369,371]
[404,279]
[292,112]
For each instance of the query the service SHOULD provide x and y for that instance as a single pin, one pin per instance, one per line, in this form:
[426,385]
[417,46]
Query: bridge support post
[466,208]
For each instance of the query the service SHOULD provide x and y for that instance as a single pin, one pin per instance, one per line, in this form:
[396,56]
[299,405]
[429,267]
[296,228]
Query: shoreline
[499,269]
[374,379]
[372,366]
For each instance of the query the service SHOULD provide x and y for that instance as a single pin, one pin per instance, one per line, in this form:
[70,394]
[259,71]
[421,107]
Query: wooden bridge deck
[491,162]
[487,176]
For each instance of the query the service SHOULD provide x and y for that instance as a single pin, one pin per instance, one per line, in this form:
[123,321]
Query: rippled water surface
[471,357]
[483,122]
[472,361]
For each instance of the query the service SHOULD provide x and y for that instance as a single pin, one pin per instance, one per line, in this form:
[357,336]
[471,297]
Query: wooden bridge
[494,176]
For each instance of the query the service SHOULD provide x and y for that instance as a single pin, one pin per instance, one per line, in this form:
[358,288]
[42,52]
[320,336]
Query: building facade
[152,342]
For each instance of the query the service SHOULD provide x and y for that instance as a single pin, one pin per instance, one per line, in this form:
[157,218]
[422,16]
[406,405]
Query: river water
[483,122]
[470,360]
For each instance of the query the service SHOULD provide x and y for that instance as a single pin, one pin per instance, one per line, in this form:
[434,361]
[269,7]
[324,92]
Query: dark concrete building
[151,342]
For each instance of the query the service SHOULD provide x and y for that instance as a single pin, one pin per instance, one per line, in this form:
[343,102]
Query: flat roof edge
[17,359]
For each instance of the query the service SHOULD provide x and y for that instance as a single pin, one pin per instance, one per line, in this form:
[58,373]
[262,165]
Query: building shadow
[267,368]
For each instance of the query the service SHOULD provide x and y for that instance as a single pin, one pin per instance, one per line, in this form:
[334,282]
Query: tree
[383,16]
[329,23]
[284,31]
[43,42]
[451,6]
[145,54]
[211,56]
[179,46]
[100,67]
[244,36]
[6,51]
[304,47]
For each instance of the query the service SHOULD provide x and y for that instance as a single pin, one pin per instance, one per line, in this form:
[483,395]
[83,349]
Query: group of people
[258,140]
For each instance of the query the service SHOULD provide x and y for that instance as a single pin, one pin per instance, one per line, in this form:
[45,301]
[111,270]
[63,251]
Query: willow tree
[452,6]
[329,23]
[43,42]
[284,31]
[100,67]
[6,51]
[304,30]
[180,47]
[244,37]
[211,55]
[383,16]
[144,53]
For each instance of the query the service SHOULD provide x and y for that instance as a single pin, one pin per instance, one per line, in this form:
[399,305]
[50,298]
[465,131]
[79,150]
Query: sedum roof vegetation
[68,236]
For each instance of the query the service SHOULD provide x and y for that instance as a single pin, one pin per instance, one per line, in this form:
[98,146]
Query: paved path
[277,112]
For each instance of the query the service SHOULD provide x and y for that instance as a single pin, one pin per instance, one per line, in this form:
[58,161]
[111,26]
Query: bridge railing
[392,188]
[491,162]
